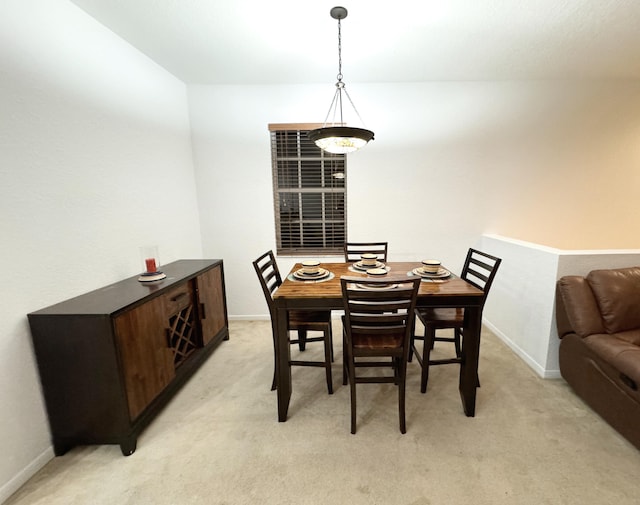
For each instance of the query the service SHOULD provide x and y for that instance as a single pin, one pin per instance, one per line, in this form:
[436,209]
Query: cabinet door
[211,297]
[147,359]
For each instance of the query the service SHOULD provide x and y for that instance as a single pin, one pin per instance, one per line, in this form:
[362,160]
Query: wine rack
[181,335]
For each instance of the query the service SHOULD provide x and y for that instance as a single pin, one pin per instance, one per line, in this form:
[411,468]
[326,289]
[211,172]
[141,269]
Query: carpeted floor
[532,441]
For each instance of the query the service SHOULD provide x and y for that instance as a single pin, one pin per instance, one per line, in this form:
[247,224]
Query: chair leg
[345,362]
[302,339]
[331,341]
[429,335]
[275,366]
[411,344]
[327,359]
[396,365]
[456,342]
[352,388]
[401,398]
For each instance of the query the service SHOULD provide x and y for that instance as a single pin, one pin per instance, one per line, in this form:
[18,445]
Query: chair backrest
[353,250]
[371,309]
[269,276]
[480,269]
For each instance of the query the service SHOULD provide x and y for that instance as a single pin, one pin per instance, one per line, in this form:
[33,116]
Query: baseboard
[535,366]
[25,474]
[262,317]
[552,374]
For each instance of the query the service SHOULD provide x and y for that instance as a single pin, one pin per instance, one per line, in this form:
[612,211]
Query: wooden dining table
[326,294]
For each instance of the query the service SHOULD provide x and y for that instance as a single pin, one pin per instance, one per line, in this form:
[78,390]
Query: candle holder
[150,264]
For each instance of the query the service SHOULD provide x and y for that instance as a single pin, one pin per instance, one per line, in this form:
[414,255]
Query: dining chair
[301,321]
[377,324]
[353,250]
[479,270]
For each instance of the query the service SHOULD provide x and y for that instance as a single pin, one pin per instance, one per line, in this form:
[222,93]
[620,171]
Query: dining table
[298,293]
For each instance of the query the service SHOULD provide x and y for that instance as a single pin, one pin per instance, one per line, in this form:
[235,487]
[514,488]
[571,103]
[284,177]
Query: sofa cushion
[617,293]
[580,307]
[622,355]
[630,336]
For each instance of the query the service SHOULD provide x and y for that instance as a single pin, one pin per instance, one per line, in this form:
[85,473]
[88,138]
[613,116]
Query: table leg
[283,356]
[470,355]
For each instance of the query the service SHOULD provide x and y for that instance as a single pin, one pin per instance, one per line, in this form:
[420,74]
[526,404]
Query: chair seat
[442,318]
[308,317]
[377,342]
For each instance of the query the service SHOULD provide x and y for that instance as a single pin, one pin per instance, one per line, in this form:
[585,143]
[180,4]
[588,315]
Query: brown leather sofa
[598,318]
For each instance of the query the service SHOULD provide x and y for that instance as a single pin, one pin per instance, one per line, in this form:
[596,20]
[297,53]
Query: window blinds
[309,187]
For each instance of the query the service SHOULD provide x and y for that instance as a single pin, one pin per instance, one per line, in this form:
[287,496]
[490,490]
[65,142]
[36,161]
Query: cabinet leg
[60,447]
[128,446]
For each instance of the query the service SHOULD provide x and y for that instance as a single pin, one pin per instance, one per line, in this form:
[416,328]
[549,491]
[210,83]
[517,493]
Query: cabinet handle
[180,297]
[202,313]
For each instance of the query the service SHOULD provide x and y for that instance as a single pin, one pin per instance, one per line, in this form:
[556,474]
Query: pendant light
[339,138]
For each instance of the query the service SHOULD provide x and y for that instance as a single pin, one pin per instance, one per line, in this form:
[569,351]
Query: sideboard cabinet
[109,360]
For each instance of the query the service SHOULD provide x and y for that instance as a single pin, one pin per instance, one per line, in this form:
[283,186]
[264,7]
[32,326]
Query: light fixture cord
[340,86]
[339,51]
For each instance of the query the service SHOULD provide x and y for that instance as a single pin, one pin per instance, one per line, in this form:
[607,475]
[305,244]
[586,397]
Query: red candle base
[151,265]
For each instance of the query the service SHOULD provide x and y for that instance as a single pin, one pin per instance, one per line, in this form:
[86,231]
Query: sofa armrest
[576,308]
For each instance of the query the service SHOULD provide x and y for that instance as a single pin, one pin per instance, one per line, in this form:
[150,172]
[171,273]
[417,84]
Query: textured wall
[95,161]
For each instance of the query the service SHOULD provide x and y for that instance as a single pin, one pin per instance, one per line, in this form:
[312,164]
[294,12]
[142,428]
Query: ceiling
[295,41]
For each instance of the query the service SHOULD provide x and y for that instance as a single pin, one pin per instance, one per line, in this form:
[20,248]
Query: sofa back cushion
[617,293]
[578,310]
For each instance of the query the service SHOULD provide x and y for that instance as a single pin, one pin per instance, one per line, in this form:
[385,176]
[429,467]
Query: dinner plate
[374,287]
[442,273]
[359,266]
[320,274]
[377,271]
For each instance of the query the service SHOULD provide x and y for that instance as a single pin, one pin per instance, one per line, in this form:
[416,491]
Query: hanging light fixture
[339,138]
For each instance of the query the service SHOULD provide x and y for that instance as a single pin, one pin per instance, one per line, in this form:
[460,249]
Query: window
[309,193]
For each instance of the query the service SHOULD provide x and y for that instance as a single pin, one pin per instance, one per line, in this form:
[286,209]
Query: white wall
[95,161]
[549,163]
[520,305]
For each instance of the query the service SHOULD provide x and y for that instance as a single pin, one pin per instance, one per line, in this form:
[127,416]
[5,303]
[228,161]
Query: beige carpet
[219,442]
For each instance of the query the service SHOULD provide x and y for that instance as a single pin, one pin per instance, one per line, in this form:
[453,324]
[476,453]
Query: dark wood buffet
[111,359]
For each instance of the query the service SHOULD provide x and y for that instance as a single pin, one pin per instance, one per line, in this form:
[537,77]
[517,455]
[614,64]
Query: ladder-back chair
[479,270]
[353,250]
[378,322]
[301,321]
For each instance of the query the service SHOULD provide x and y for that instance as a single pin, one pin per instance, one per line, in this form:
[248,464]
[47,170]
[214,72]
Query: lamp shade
[340,139]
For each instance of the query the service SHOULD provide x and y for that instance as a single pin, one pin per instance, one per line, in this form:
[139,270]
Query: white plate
[442,273]
[300,274]
[376,286]
[359,266]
